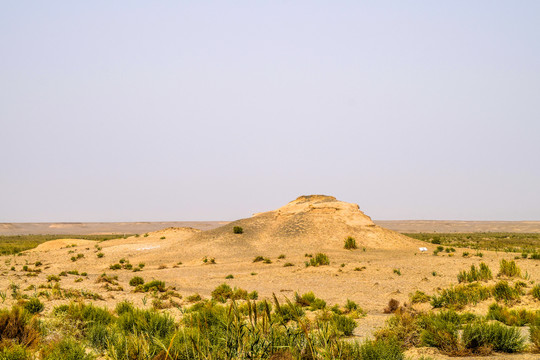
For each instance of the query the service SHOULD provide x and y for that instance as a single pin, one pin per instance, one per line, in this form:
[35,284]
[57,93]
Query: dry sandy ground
[405,226]
[365,276]
[98,228]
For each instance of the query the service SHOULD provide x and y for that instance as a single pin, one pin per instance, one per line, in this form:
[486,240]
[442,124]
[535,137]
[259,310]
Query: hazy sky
[213,110]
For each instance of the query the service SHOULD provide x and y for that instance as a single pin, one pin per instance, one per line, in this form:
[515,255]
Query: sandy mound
[62,243]
[308,224]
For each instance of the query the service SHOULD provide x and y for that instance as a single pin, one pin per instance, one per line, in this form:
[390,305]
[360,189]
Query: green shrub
[100,254]
[351,305]
[503,291]
[136,280]
[15,352]
[154,285]
[384,349]
[66,349]
[440,333]
[222,293]
[258,258]
[238,230]
[459,296]
[535,292]
[318,260]
[230,276]
[344,324]
[53,278]
[397,271]
[419,297]
[509,317]
[34,306]
[509,269]
[350,243]
[494,335]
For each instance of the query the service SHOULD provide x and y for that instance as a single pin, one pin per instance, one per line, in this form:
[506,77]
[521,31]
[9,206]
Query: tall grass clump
[509,269]
[18,326]
[483,273]
[350,243]
[492,335]
[534,336]
[535,292]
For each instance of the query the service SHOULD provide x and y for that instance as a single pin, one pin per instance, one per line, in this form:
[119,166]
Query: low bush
[419,297]
[136,280]
[512,317]
[350,243]
[238,230]
[222,293]
[66,349]
[318,260]
[493,335]
[344,324]
[385,349]
[503,291]
[34,306]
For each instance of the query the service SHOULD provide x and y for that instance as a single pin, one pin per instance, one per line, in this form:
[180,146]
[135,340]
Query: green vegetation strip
[509,242]
[13,244]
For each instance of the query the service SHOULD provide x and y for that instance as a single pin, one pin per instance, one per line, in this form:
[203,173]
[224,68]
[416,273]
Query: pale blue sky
[213,110]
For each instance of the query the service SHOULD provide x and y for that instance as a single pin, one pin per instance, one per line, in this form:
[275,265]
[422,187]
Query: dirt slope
[308,224]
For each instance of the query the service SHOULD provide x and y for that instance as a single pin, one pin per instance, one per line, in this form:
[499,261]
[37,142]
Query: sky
[214,110]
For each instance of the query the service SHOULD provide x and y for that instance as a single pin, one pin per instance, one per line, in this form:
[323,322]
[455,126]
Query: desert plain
[269,255]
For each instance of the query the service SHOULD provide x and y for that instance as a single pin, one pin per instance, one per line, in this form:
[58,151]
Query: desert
[314,245]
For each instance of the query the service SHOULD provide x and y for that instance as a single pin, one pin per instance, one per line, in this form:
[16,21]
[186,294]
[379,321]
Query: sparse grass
[288,264]
[483,273]
[209,260]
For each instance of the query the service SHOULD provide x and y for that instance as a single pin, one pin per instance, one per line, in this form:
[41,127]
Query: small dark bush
[137,280]
[34,306]
[238,230]
[392,306]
